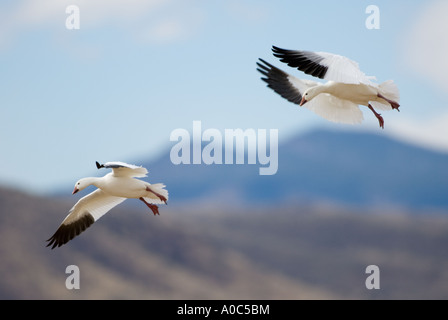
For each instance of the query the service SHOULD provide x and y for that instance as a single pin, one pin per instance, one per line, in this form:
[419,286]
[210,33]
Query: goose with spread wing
[112,189]
[339,98]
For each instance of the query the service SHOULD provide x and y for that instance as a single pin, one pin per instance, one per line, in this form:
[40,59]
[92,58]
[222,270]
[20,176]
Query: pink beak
[303,102]
[75,190]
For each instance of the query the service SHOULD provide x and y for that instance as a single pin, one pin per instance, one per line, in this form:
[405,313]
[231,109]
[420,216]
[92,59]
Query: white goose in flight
[337,100]
[113,189]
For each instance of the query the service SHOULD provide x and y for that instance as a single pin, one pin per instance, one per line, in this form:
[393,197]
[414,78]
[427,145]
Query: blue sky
[137,70]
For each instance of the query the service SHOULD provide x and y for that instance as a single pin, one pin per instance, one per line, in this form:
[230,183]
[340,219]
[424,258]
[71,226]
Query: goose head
[309,95]
[82,184]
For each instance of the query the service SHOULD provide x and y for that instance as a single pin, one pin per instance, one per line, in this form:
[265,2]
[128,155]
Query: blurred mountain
[127,255]
[335,167]
[219,253]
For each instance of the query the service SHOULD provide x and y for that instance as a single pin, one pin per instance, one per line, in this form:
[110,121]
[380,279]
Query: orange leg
[162,198]
[378,116]
[154,208]
[393,104]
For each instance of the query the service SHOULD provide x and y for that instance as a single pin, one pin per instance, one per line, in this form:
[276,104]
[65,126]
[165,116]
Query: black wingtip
[278,50]
[263,61]
[99,166]
[65,233]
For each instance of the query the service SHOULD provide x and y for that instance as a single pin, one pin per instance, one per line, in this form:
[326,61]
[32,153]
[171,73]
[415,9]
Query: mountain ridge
[340,167]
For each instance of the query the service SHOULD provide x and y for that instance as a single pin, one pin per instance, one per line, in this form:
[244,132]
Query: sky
[136,70]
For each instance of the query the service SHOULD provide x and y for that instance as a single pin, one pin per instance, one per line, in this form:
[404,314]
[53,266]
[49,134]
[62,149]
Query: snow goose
[113,188]
[339,98]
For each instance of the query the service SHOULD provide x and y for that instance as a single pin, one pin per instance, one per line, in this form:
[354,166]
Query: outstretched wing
[83,214]
[286,85]
[324,65]
[325,105]
[122,169]
[334,109]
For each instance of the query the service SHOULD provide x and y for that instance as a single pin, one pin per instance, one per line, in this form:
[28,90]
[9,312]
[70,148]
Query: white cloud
[32,12]
[172,27]
[155,16]
[425,53]
[426,45]
[430,133]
